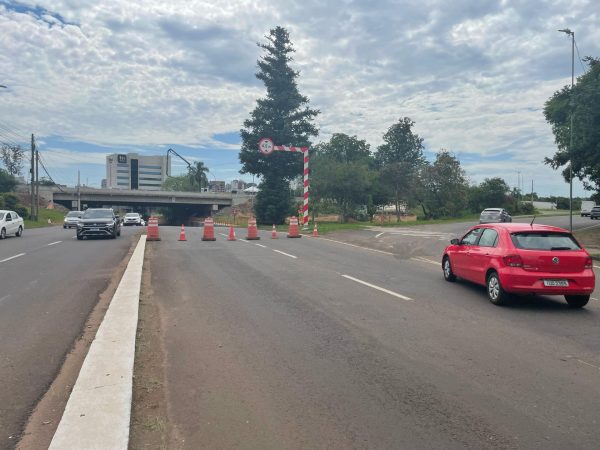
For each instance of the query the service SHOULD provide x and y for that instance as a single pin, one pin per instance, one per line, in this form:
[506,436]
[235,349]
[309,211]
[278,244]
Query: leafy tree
[12,157]
[444,187]
[181,183]
[7,181]
[583,103]
[341,172]
[400,158]
[11,201]
[197,175]
[284,116]
[491,193]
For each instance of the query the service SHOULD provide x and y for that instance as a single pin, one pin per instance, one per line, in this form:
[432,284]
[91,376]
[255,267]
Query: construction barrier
[231,233]
[293,231]
[315,231]
[152,230]
[274,233]
[252,231]
[209,230]
[182,234]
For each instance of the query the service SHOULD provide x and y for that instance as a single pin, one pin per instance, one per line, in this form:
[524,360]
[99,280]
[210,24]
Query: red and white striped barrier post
[266,146]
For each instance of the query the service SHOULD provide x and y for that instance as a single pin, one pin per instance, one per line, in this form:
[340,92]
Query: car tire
[447,269]
[79,237]
[2,233]
[119,233]
[19,231]
[495,292]
[577,301]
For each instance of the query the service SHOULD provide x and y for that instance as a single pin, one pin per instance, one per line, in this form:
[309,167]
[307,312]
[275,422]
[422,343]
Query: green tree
[444,187]
[342,172]
[7,181]
[400,159]
[12,157]
[197,175]
[284,116]
[181,183]
[583,103]
[491,193]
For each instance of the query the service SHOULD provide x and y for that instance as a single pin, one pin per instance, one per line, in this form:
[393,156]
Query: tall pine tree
[284,116]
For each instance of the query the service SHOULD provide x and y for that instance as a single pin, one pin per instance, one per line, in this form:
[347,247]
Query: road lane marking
[429,261]
[597,267]
[54,243]
[286,254]
[243,240]
[588,364]
[4,298]
[594,298]
[587,228]
[387,291]
[223,234]
[378,235]
[260,245]
[357,246]
[12,257]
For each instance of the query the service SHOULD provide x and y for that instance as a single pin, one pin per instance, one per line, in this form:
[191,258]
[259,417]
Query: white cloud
[473,75]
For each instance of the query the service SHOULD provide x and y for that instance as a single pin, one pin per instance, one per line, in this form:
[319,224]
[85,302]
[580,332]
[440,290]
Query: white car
[10,223]
[132,219]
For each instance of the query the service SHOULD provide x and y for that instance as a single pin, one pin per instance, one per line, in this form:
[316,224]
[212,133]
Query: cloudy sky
[97,77]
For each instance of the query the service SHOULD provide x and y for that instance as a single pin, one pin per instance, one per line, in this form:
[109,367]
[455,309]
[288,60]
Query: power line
[578,55]
[40,159]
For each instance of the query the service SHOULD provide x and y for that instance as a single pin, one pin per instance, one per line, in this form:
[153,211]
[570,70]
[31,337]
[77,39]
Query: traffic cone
[293,231]
[274,233]
[315,231]
[231,233]
[209,230]
[182,234]
[252,231]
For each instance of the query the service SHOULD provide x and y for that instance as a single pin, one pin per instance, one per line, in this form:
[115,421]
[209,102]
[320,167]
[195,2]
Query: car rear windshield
[132,215]
[544,241]
[97,214]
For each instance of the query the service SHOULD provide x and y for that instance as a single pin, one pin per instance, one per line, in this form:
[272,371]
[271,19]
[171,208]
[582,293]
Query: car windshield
[544,241]
[97,214]
[74,214]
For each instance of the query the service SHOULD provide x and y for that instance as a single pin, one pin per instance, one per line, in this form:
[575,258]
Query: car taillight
[513,261]
[589,263]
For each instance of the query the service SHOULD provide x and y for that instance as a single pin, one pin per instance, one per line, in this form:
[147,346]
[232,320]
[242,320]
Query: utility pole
[37,184]
[532,192]
[32,171]
[572,105]
[78,191]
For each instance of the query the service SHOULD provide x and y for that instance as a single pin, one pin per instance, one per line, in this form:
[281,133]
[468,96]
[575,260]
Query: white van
[586,208]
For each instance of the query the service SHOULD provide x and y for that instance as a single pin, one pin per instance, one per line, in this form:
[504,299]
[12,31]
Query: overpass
[193,203]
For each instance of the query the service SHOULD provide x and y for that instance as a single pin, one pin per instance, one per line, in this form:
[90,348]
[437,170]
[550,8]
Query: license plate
[559,283]
[94,229]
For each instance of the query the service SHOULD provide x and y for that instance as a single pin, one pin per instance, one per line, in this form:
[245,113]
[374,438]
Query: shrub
[22,211]
[11,201]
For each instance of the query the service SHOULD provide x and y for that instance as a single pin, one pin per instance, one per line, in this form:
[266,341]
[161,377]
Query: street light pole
[572,104]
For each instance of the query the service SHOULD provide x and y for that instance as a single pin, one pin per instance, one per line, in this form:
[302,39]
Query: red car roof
[513,227]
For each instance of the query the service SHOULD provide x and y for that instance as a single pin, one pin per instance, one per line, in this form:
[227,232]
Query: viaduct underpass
[178,207]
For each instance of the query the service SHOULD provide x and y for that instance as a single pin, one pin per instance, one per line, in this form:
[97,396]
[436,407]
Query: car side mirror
[455,241]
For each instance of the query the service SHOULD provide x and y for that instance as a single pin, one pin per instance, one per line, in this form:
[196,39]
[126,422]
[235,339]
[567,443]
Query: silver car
[72,218]
[494,215]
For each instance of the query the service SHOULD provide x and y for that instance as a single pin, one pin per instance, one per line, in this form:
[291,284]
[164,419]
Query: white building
[134,171]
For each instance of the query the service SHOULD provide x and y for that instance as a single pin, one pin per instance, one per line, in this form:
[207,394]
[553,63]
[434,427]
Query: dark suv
[98,222]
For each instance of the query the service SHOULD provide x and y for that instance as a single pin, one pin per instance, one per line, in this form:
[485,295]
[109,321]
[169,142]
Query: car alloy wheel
[447,267]
[494,289]
[19,232]
[2,233]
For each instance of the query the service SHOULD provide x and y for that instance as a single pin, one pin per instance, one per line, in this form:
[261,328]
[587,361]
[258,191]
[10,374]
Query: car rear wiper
[560,248]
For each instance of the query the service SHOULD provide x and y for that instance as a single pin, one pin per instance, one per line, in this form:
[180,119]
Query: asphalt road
[49,283]
[311,343]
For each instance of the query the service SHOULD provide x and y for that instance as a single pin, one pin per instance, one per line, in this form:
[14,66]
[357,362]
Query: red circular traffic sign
[266,146]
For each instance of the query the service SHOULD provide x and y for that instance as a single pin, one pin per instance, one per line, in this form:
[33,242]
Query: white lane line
[387,291]
[260,245]
[429,261]
[357,246]
[588,364]
[223,234]
[377,235]
[4,298]
[54,243]
[597,267]
[286,254]
[594,298]
[587,228]
[12,257]
[243,240]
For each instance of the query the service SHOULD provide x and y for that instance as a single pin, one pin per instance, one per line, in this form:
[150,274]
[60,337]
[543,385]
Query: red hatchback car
[516,258]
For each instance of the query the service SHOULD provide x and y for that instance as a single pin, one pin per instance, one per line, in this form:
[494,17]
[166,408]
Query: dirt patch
[44,419]
[150,427]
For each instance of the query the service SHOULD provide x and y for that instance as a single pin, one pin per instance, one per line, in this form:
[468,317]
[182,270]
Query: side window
[489,238]
[471,237]
[8,217]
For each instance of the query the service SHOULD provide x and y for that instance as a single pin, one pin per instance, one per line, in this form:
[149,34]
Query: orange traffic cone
[252,231]
[315,231]
[209,230]
[182,234]
[274,233]
[231,233]
[293,231]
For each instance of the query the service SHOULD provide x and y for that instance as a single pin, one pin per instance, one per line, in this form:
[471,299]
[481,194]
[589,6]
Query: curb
[98,411]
